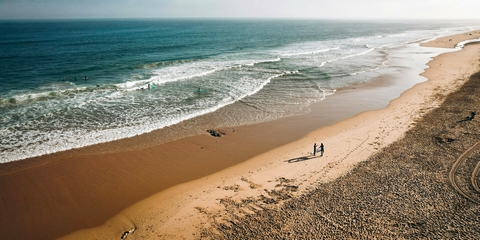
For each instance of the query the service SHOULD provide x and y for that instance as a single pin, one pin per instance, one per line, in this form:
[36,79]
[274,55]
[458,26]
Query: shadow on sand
[301,159]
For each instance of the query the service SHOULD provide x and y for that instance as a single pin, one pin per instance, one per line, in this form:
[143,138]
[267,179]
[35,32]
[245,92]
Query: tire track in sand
[474,177]
[455,167]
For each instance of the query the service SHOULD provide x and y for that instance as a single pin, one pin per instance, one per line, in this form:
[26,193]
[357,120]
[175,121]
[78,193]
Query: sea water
[70,83]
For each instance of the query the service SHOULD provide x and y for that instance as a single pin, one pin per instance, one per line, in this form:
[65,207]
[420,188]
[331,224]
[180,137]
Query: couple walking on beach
[321,149]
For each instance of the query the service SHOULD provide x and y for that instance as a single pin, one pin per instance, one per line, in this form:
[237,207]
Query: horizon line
[241,18]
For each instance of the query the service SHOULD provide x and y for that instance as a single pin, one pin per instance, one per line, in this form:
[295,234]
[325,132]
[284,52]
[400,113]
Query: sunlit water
[192,68]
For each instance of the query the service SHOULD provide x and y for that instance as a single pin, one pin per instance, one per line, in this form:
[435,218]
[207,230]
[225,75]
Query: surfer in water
[151,86]
[85,78]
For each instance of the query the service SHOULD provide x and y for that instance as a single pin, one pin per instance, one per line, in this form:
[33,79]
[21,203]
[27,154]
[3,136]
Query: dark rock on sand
[215,133]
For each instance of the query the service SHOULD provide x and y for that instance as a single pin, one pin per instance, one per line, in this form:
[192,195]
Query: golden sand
[161,191]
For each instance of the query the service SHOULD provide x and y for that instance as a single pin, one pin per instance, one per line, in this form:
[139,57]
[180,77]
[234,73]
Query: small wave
[359,39]
[355,73]
[421,40]
[384,65]
[163,63]
[8,101]
[397,35]
[352,55]
[313,52]
[327,92]
[251,64]
[45,95]
[159,79]
[263,84]
[291,72]
[268,61]
[464,43]
[180,71]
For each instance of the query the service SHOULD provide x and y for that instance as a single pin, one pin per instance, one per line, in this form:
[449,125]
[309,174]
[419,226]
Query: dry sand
[238,195]
[423,186]
[54,195]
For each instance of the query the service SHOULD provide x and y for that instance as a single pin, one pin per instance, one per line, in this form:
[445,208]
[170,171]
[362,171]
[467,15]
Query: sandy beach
[187,188]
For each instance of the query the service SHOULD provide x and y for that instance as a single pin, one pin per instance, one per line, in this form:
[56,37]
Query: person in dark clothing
[322,149]
[314,149]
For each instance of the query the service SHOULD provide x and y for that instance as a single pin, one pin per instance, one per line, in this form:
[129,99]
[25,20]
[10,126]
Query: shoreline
[178,211]
[421,186]
[75,176]
[267,171]
[148,210]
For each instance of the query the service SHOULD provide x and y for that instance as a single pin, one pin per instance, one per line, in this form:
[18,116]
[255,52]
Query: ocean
[66,84]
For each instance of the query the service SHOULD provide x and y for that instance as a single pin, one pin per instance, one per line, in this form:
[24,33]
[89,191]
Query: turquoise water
[46,105]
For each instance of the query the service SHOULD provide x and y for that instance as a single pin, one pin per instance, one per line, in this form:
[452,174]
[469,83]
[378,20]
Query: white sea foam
[462,44]
[76,116]
[64,140]
[306,52]
[189,70]
[351,56]
[49,140]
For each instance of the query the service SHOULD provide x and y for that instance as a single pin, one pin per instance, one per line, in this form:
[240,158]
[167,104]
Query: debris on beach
[125,234]
[215,133]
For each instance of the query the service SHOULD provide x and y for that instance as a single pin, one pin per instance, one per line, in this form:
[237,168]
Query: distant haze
[325,9]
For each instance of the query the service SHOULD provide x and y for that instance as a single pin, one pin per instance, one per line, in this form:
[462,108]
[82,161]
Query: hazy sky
[345,9]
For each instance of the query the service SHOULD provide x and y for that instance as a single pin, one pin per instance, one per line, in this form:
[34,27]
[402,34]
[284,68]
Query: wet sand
[55,195]
[88,187]
[249,200]
[423,186]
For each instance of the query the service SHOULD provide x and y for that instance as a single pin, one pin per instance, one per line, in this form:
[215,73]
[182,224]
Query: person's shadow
[301,159]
